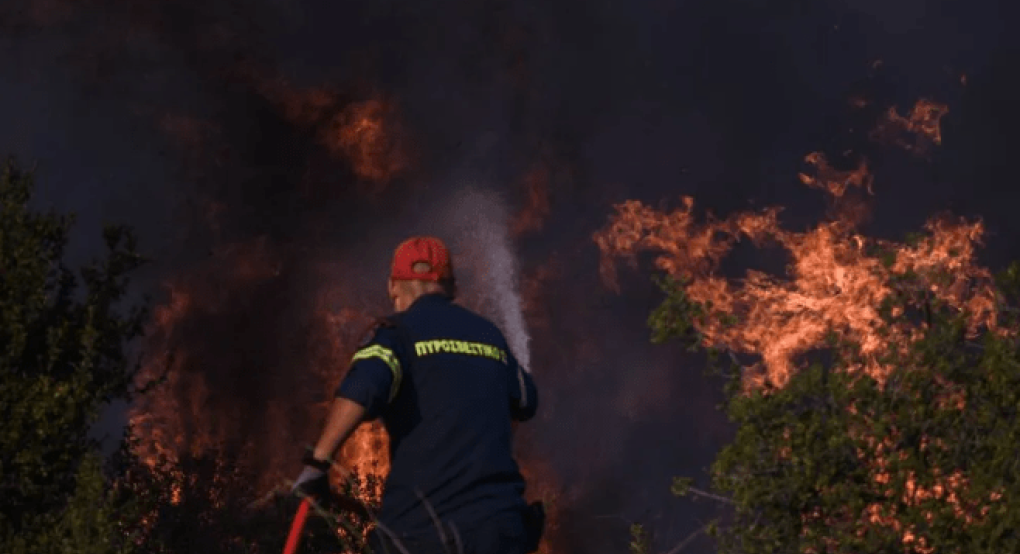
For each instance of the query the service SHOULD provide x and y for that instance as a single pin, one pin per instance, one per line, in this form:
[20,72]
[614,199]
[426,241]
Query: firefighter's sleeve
[523,393]
[375,373]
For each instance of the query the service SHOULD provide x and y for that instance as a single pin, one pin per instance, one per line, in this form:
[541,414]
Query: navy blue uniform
[446,386]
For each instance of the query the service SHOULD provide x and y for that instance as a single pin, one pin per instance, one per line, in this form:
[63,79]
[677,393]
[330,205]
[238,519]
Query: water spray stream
[477,222]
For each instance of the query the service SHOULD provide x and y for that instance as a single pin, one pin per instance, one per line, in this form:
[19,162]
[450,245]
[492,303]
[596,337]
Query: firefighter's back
[450,423]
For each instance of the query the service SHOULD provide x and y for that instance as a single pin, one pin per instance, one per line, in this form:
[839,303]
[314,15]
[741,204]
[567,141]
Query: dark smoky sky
[646,100]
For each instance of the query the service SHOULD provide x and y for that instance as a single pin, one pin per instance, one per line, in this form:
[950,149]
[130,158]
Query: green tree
[65,340]
[919,458]
[63,357]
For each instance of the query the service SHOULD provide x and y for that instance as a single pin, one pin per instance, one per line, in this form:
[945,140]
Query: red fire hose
[294,538]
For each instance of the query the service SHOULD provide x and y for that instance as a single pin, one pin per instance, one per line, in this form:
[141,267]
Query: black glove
[314,479]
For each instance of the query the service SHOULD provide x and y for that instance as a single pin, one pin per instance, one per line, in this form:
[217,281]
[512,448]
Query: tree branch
[683,544]
[716,497]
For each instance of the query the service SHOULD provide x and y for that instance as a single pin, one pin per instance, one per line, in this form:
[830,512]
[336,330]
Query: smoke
[478,223]
[200,123]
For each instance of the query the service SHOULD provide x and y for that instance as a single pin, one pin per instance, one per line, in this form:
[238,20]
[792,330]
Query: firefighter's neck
[404,293]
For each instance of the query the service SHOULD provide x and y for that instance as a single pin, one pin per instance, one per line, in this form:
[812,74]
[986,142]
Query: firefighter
[447,388]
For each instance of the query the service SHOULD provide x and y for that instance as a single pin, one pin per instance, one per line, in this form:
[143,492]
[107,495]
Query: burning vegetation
[837,285]
[881,307]
[245,407]
[916,132]
[244,351]
[837,279]
[242,356]
[366,133]
[252,339]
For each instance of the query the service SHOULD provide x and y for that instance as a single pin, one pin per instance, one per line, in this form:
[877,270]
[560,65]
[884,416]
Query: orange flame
[367,133]
[536,210]
[182,416]
[916,132]
[835,181]
[366,453]
[836,281]
[835,284]
[542,486]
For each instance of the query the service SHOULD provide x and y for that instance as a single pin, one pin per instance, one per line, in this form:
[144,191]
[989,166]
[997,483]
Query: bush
[62,360]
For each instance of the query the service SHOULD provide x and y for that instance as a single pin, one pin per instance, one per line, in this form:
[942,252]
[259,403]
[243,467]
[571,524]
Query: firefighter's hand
[313,481]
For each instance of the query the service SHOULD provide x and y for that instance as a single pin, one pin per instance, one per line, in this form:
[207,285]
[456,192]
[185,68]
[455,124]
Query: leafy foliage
[919,459]
[639,540]
[63,357]
[92,522]
[208,504]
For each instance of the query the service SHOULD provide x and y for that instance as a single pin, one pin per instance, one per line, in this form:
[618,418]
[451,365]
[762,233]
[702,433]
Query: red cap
[421,249]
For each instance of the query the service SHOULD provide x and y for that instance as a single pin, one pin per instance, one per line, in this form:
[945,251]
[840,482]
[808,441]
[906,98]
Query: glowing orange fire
[183,415]
[180,415]
[836,282]
[188,414]
[536,210]
[917,131]
[835,181]
[368,134]
[367,451]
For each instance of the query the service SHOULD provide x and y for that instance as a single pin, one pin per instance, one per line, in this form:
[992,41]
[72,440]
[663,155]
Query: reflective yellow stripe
[450,346]
[388,357]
